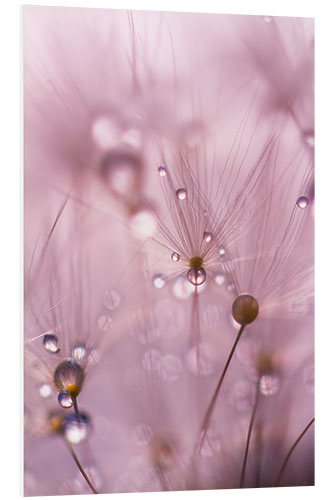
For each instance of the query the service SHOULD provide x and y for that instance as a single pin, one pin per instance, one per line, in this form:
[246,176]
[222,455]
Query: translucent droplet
[170,368]
[269,385]
[143,223]
[197,276]
[79,353]
[65,399]
[76,432]
[162,170]
[222,252]
[175,256]
[104,322]
[111,300]
[159,281]
[45,390]
[207,236]
[181,194]
[105,133]
[219,279]
[302,202]
[50,342]
[121,171]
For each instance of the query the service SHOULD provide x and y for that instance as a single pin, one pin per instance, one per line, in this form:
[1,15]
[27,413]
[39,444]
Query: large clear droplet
[175,256]
[269,385]
[196,276]
[50,342]
[207,236]
[65,399]
[302,202]
[159,281]
[181,194]
[162,170]
[76,431]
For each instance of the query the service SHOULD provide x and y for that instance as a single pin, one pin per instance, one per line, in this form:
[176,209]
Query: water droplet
[111,300]
[79,353]
[105,133]
[207,236]
[181,194]
[45,390]
[65,399]
[69,375]
[50,342]
[197,276]
[162,170]
[269,385]
[159,281]
[175,256]
[76,431]
[170,368]
[143,223]
[219,279]
[302,202]
[121,171]
[104,322]
[221,252]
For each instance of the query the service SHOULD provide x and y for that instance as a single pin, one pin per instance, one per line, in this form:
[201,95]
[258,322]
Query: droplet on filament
[51,343]
[181,194]
[302,202]
[175,256]
[196,276]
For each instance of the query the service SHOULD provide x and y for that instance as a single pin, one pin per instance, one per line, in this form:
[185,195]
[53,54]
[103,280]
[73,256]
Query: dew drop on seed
[219,279]
[302,202]
[197,276]
[221,252]
[45,390]
[143,223]
[181,194]
[159,281]
[79,353]
[76,432]
[50,342]
[207,236]
[162,170]
[65,399]
[175,256]
[269,385]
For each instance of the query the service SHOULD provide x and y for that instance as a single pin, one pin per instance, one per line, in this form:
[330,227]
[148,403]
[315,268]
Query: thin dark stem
[206,420]
[76,409]
[278,480]
[81,469]
[249,433]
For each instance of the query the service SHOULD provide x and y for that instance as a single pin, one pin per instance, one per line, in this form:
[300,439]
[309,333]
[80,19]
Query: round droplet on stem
[221,252]
[65,399]
[175,256]
[181,194]
[245,309]
[69,375]
[302,202]
[51,343]
[207,236]
[79,353]
[159,281]
[196,276]
[162,170]
[76,431]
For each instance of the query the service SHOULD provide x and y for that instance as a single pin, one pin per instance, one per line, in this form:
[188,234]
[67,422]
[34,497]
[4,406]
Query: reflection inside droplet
[196,276]
[207,236]
[65,399]
[162,170]
[79,352]
[302,202]
[159,281]
[181,194]
[76,432]
[50,343]
[175,256]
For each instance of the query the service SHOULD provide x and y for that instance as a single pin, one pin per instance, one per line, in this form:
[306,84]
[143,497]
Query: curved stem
[249,433]
[81,469]
[279,477]
[210,409]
